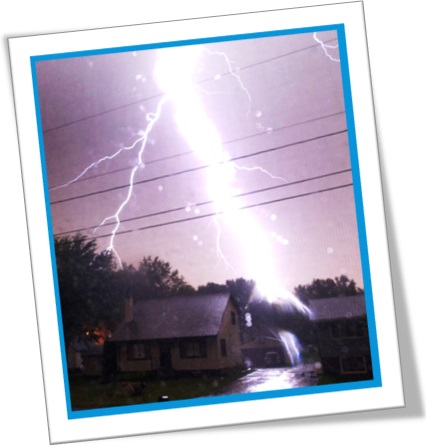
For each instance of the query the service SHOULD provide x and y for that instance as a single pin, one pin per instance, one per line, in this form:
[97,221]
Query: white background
[396,45]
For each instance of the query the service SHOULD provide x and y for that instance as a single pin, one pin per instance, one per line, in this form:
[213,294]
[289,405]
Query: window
[139,350]
[223,349]
[233,318]
[356,364]
[193,349]
[347,329]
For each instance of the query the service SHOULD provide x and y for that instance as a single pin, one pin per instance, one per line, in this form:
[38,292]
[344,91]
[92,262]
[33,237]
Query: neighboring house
[342,335]
[264,349]
[85,357]
[181,333]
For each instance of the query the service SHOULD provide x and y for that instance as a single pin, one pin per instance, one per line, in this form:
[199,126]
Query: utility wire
[195,169]
[189,152]
[204,203]
[213,214]
[158,95]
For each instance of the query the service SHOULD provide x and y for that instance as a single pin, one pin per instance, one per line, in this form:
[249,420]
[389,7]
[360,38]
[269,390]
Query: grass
[91,393]
[337,379]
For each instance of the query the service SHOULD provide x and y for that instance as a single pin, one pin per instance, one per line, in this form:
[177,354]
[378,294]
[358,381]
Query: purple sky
[282,92]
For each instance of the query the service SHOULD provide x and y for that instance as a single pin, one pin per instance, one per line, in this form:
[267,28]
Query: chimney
[128,309]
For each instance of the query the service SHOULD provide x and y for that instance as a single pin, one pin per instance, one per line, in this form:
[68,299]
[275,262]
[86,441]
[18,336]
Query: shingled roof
[174,317]
[332,308]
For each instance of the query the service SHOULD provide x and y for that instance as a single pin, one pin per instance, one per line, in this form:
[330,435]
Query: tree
[155,278]
[322,288]
[212,288]
[242,290]
[85,287]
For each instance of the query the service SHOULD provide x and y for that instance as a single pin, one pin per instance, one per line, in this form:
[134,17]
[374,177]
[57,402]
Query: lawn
[91,393]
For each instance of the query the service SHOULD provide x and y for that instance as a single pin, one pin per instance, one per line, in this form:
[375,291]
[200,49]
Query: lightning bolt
[326,47]
[291,343]
[97,163]
[233,73]
[219,252]
[152,118]
[260,169]
[173,75]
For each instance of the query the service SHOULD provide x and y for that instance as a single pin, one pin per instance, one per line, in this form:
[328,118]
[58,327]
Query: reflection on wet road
[261,380]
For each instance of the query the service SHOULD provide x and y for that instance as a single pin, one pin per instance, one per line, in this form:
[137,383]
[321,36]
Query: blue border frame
[344,64]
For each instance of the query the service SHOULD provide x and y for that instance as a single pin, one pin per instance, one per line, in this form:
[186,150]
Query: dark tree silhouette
[85,280]
[212,288]
[321,288]
[154,278]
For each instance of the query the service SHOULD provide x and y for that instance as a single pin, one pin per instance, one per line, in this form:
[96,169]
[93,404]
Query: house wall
[340,347]
[126,364]
[208,362]
[211,361]
[92,365]
[230,334]
[73,359]
[213,356]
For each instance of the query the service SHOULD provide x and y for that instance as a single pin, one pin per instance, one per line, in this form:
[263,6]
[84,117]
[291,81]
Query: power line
[204,203]
[213,214]
[195,169]
[188,152]
[271,59]
[158,95]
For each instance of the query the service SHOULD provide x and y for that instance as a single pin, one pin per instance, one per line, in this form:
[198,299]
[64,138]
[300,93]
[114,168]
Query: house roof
[174,317]
[337,307]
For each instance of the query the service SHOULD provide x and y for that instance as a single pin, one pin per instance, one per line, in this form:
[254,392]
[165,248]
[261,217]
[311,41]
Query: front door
[165,356]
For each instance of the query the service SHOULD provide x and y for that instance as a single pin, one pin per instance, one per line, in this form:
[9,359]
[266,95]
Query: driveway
[260,380]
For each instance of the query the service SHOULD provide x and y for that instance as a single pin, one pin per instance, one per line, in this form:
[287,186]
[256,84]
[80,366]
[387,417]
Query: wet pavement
[261,380]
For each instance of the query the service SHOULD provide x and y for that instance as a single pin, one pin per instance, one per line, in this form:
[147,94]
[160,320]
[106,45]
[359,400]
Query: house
[85,357]
[264,348]
[342,335]
[181,333]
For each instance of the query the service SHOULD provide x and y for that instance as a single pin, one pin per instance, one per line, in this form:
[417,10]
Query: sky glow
[227,160]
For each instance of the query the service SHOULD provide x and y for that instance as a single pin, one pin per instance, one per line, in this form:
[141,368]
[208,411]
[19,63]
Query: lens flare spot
[282,240]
